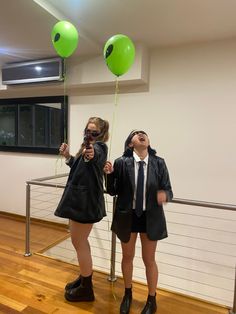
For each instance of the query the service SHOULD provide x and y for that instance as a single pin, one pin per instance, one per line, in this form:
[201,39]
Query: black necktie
[139,191]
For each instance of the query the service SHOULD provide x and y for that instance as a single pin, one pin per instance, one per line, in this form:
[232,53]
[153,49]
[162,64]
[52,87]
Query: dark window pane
[34,124]
[25,136]
[7,125]
[41,126]
[55,129]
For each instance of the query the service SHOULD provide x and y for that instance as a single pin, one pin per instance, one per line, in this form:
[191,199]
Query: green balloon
[119,54]
[65,38]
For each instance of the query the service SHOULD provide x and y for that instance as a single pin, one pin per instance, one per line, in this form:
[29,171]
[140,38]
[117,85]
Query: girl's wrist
[68,157]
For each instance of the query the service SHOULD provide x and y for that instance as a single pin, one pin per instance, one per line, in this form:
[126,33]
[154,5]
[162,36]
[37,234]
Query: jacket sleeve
[70,162]
[100,153]
[164,180]
[113,179]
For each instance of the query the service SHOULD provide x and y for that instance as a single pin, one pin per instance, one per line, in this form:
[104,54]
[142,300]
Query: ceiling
[25,25]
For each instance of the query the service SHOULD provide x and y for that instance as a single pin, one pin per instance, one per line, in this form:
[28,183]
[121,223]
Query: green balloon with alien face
[65,38]
[119,54]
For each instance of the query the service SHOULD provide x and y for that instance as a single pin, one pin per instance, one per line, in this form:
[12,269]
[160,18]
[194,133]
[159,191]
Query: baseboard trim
[56,225]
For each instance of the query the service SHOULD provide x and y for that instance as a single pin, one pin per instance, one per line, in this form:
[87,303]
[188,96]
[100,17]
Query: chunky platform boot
[84,292]
[151,305]
[126,301]
[73,284]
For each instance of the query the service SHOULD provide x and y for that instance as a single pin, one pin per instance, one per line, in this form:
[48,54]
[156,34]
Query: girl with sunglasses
[83,201]
[141,182]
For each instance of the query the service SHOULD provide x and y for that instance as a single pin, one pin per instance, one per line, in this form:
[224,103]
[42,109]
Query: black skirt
[139,223]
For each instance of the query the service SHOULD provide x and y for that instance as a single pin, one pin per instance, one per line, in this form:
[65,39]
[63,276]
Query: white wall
[192,104]
[189,112]
[16,169]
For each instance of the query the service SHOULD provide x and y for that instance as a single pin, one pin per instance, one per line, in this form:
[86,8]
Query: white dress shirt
[136,166]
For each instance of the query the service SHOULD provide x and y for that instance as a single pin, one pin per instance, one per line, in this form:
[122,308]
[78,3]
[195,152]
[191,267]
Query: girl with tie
[141,182]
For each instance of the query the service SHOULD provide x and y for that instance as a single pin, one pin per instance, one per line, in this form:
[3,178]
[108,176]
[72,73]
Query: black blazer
[83,197]
[121,183]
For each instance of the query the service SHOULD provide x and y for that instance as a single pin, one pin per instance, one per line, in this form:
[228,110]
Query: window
[34,125]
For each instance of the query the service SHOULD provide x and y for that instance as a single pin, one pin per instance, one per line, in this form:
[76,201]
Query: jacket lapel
[130,169]
[152,173]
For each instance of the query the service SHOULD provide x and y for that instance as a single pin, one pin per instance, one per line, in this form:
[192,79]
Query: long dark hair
[128,151]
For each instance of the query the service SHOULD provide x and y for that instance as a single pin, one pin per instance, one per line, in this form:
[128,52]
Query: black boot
[73,284]
[151,305]
[82,293]
[126,301]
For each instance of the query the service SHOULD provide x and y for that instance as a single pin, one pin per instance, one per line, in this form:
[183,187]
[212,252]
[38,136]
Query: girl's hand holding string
[108,168]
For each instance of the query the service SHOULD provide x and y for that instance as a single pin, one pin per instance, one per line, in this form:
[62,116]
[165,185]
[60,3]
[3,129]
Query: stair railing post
[233,311]
[27,222]
[112,276]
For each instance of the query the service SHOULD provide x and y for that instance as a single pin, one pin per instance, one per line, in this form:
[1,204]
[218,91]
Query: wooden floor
[35,284]
[42,234]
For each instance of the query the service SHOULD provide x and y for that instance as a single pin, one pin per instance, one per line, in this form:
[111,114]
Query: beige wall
[188,110]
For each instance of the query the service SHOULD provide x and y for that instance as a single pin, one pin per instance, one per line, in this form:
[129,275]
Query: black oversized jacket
[121,183]
[83,198]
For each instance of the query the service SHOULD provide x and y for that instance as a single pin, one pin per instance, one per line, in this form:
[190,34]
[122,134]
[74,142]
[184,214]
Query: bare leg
[79,237]
[128,251]
[148,255]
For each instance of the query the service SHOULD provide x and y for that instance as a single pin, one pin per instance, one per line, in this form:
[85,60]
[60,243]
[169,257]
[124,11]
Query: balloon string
[114,115]
[112,130]
[59,156]
[109,154]
[64,87]
[112,125]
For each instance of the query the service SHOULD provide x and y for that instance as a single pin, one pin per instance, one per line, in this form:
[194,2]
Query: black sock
[128,291]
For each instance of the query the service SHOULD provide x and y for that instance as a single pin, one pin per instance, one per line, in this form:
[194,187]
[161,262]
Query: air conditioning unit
[37,71]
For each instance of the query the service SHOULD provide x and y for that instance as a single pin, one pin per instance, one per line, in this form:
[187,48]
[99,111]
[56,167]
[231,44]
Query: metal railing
[233,310]
[40,182]
[217,206]
[112,276]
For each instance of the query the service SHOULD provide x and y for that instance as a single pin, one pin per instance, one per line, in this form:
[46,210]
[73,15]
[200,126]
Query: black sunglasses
[92,133]
[138,132]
